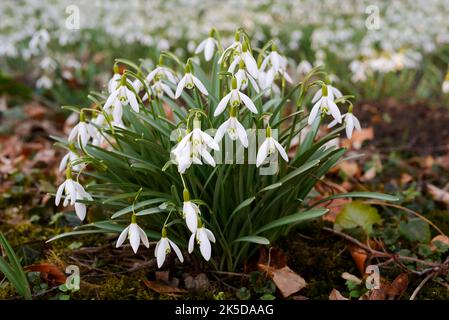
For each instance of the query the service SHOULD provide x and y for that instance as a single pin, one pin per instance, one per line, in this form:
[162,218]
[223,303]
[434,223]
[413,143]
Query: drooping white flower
[184,157]
[122,95]
[243,78]
[235,99]
[190,212]
[275,66]
[234,129]
[304,67]
[68,158]
[82,132]
[189,81]
[160,72]
[135,234]
[44,82]
[159,88]
[203,237]
[247,58]
[351,123]
[73,192]
[163,248]
[208,46]
[325,104]
[332,92]
[268,147]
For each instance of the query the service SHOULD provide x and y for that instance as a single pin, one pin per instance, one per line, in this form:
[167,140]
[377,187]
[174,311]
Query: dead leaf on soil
[336,295]
[398,286]
[358,138]
[438,194]
[286,280]
[49,272]
[162,287]
[359,256]
[438,238]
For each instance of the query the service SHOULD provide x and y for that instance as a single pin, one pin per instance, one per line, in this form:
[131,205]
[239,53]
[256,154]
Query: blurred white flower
[208,46]
[325,103]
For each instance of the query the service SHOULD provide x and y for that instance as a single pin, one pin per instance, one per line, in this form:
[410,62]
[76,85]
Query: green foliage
[357,214]
[415,230]
[12,269]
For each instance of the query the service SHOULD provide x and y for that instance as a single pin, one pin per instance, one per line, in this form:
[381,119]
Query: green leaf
[293,218]
[415,230]
[253,239]
[357,214]
[357,194]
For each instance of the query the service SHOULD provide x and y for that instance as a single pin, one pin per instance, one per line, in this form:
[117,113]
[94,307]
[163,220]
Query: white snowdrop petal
[122,237]
[177,251]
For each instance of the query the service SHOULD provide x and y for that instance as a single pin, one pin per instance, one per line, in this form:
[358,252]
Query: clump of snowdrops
[212,156]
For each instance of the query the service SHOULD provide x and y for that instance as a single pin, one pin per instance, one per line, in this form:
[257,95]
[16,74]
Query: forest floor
[404,151]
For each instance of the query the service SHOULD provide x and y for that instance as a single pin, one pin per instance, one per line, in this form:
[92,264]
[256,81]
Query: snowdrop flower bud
[73,191]
[326,104]
[203,237]
[235,99]
[243,77]
[208,46]
[234,129]
[135,234]
[268,148]
[190,211]
[163,249]
[189,81]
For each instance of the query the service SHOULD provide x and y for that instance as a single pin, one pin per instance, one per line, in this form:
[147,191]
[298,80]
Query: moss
[7,291]
[320,258]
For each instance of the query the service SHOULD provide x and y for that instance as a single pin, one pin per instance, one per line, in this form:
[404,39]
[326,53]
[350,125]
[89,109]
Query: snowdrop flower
[163,249]
[159,89]
[445,86]
[208,46]
[44,82]
[68,159]
[275,60]
[235,98]
[326,104]
[234,129]
[122,95]
[268,148]
[243,78]
[246,57]
[184,157]
[203,237]
[82,132]
[160,72]
[189,81]
[73,191]
[332,92]
[304,67]
[351,123]
[234,48]
[135,234]
[190,212]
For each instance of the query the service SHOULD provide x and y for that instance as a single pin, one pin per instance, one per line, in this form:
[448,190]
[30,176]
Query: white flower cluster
[405,29]
[194,145]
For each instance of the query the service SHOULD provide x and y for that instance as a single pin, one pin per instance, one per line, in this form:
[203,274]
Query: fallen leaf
[398,286]
[287,281]
[336,295]
[161,287]
[439,238]
[358,137]
[359,256]
[350,168]
[438,194]
[35,110]
[351,277]
[49,272]
[357,214]
[335,207]
[406,178]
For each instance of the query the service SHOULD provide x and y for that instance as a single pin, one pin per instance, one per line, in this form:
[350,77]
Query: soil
[415,128]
